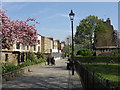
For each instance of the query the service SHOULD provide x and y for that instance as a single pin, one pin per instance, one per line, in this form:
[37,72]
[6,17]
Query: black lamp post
[68,47]
[72,56]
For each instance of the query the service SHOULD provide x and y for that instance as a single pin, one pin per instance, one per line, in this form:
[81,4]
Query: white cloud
[52,16]
[64,15]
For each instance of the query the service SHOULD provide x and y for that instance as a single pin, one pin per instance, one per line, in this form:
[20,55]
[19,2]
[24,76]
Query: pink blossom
[19,31]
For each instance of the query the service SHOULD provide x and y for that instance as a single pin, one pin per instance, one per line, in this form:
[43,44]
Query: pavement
[47,77]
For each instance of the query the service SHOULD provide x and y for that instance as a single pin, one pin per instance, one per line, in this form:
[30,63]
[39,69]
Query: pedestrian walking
[52,61]
[48,60]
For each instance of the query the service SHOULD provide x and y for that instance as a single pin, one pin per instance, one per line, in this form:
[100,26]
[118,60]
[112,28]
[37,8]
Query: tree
[84,52]
[17,31]
[68,40]
[87,29]
[67,49]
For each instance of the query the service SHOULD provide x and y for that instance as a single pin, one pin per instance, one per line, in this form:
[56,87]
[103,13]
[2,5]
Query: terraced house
[18,52]
[47,45]
[15,55]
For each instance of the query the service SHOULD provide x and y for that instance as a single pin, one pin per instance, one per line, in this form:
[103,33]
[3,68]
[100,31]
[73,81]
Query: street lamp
[68,47]
[71,15]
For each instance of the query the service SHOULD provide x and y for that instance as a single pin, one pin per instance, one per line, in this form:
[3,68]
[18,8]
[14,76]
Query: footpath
[47,77]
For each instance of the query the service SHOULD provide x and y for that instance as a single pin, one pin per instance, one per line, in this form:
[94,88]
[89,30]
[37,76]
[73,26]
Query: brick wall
[9,57]
[105,38]
[13,57]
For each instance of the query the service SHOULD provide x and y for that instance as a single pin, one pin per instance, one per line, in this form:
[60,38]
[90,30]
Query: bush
[9,67]
[98,59]
[116,52]
[39,55]
[31,56]
[84,52]
[26,63]
[31,60]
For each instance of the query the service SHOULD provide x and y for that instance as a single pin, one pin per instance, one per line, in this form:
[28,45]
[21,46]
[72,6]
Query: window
[6,57]
[38,41]
[22,57]
[17,45]
[23,47]
[38,48]
[34,48]
[27,47]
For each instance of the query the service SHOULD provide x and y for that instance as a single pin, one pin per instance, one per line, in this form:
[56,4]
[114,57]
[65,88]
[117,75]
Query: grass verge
[110,71]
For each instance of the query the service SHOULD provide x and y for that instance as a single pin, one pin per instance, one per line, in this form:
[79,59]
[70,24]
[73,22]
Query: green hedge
[32,59]
[10,67]
[28,62]
[98,59]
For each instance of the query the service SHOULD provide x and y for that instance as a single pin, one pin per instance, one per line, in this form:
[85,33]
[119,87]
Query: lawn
[110,71]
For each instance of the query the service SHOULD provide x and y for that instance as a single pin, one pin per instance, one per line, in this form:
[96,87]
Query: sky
[54,16]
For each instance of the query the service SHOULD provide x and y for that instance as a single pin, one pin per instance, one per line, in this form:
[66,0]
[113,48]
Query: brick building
[47,45]
[105,40]
[18,52]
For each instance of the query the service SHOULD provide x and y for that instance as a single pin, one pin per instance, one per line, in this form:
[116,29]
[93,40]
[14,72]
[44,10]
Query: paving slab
[46,77]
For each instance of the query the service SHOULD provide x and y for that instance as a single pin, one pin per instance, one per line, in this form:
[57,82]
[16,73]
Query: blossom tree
[17,31]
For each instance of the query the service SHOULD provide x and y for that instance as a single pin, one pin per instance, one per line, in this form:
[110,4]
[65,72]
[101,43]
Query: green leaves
[116,52]
[84,52]
[86,30]
[39,55]
[9,67]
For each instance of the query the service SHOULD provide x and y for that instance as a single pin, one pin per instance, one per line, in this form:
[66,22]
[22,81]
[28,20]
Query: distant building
[18,52]
[47,45]
[62,45]
[38,46]
[51,44]
[42,44]
[56,47]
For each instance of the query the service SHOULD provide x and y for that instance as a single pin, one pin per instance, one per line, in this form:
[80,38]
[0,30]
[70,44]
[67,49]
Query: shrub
[39,55]
[84,52]
[26,63]
[116,52]
[29,62]
[98,59]
[9,67]
[31,56]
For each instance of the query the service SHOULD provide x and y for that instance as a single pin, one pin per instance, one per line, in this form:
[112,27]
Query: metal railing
[92,80]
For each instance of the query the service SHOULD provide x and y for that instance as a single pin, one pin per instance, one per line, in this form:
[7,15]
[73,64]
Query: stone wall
[13,57]
[10,75]
[9,57]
